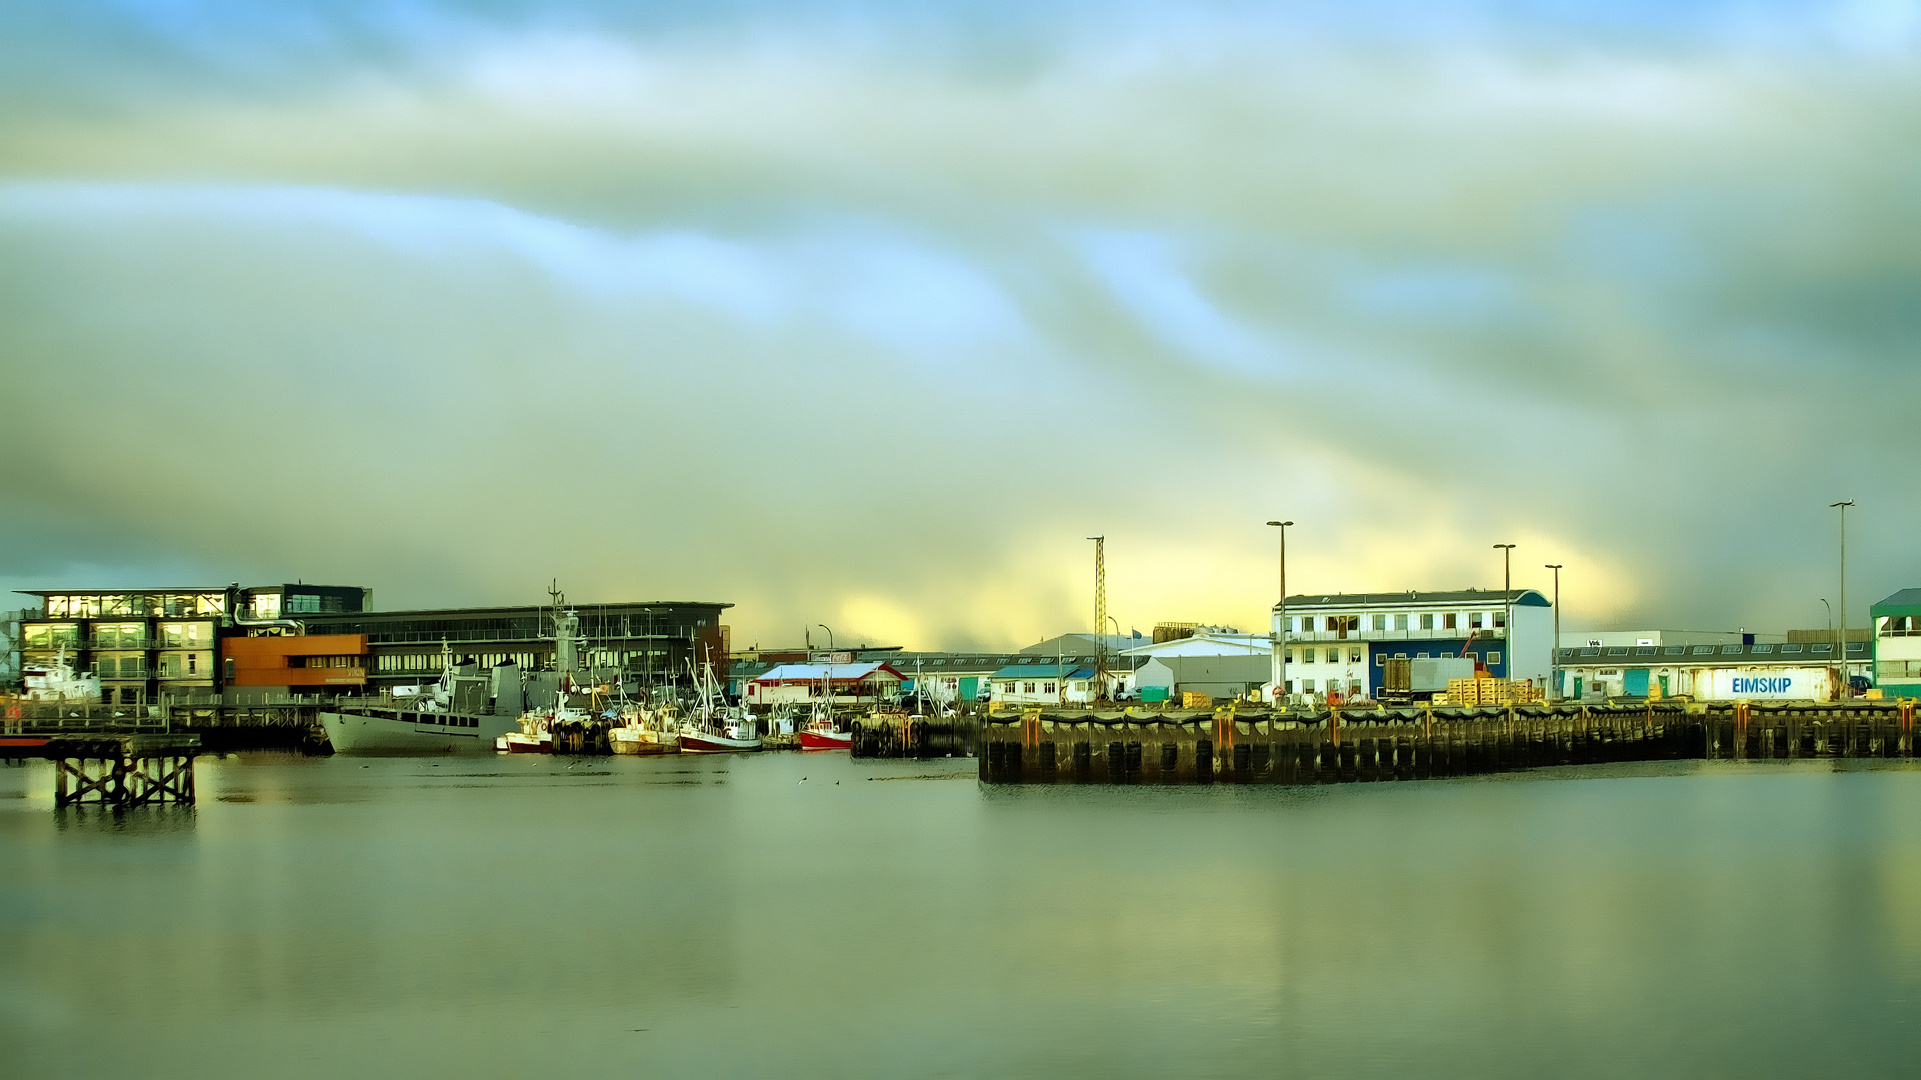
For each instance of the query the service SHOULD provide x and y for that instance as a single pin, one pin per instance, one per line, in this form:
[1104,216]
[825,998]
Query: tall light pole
[1556,652]
[1841,650]
[1507,612]
[1279,665]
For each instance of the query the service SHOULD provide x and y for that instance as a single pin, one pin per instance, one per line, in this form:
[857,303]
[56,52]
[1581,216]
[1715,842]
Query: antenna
[1100,618]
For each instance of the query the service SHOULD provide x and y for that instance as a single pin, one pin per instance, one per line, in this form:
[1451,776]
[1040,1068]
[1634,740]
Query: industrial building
[320,639]
[1897,644]
[646,643]
[1341,642]
[143,643]
[1219,676]
[1736,671]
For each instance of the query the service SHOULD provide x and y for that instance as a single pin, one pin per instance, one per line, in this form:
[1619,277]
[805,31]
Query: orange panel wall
[264,661]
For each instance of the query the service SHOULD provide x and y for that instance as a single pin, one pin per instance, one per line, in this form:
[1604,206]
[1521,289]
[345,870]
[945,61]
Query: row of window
[87,607]
[1901,626]
[1492,656]
[1332,686]
[1385,621]
[117,636]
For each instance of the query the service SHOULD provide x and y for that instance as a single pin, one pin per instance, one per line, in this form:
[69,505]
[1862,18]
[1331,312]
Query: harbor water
[790,915]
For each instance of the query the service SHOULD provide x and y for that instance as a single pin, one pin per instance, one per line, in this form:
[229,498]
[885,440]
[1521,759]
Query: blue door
[1636,684]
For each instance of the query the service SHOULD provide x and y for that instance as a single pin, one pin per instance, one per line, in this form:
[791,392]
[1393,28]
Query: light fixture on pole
[1841,648]
[827,669]
[1279,665]
[1556,651]
[1507,610]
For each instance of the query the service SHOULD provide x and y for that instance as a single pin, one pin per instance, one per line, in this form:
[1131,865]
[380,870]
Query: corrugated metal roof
[1523,597]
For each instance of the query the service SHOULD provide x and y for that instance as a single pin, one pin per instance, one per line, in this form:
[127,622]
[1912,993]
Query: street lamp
[827,669]
[1556,567]
[1280,634]
[1841,650]
[1507,612]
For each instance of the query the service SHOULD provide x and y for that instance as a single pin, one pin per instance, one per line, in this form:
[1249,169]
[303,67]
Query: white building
[1780,671]
[801,684]
[1207,641]
[1042,684]
[1342,641]
[1897,644]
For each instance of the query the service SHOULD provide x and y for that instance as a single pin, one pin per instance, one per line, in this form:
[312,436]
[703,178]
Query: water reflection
[788,915]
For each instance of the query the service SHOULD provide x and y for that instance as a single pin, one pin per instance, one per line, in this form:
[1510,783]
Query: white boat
[58,681]
[646,730]
[714,728]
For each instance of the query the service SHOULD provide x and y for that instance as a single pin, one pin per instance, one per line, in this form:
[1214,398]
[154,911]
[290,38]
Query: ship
[464,713]
[58,681]
[714,727]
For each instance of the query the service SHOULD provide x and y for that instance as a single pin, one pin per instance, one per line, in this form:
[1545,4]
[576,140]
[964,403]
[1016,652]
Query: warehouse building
[1166,678]
[1785,671]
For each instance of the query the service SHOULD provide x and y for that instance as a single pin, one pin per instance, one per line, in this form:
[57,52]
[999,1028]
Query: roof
[1080,642]
[817,672]
[1043,671]
[1522,597]
[1908,601]
[1673,655]
[1257,669]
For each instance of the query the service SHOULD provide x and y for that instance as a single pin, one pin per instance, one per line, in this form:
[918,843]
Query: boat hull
[826,740]
[691,743]
[645,747]
[397,731]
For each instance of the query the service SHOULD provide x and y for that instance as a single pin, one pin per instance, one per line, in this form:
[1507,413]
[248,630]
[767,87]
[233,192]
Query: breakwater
[904,735]
[1343,746]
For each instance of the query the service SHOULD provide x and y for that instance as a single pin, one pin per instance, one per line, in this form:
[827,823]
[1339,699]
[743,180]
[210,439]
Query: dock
[1371,745]
[113,765]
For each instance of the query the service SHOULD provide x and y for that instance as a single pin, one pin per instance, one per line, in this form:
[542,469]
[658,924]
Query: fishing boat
[820,733]
[714,728]
[646,730]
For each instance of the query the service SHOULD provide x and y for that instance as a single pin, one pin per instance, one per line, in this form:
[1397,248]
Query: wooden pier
[1343,746]
[112,768]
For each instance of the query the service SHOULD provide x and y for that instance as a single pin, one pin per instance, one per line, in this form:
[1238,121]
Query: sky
[868,314]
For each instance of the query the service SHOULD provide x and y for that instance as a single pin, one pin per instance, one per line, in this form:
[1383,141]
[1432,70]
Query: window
[1305,624]
[1027,688]
[1287,657]
[1421,656]
[1380,659]
[1380,622]
[1353,656]
[1427,621]
[1307,686]
[1047,688]
[1307,656]
[1474,620]
[1400,622]
[1494,656]
[1448,621]
[1500,620]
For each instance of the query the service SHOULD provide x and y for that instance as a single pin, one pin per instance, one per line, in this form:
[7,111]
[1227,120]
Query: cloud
[871,316]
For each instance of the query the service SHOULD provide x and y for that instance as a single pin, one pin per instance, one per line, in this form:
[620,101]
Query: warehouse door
[969,686]
[1637,682]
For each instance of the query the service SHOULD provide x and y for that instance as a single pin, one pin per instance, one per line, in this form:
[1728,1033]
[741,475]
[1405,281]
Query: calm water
[784,915]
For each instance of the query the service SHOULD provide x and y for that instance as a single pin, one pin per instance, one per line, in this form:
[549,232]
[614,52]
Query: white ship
[58,681]
[461,714]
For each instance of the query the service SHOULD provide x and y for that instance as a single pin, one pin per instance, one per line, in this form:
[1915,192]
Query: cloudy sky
[867,313]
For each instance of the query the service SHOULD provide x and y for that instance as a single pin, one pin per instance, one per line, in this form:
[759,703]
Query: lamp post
[827,669]
[1507,609]
[1841,648]
[1280,620]
[1556,651]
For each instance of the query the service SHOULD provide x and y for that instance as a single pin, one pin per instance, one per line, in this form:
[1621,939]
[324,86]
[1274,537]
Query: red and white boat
[819,733]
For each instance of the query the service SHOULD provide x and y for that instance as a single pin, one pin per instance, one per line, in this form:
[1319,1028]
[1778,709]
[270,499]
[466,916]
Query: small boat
[59,681]
[714,728]
[645,731]
[819,733]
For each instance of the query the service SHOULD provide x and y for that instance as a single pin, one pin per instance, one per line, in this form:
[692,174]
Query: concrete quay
[1358,746]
